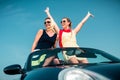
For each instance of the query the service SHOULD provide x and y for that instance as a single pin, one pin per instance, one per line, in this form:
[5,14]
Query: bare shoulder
[40,31]
[74,31]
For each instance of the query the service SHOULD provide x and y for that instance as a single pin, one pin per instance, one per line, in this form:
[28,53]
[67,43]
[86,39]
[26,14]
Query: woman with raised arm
[45,39]
[67,35]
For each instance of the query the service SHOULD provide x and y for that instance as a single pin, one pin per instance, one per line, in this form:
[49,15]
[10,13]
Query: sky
[21,19]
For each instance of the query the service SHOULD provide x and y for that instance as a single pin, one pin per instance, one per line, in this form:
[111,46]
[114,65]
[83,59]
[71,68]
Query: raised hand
[47,9]
[90,14]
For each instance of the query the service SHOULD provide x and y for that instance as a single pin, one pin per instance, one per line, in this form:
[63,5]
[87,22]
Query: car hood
[51,73]
[110,71]
[48,73]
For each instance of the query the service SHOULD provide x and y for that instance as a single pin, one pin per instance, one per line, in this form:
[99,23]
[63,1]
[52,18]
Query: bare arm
[57,39]
[38,36]
[53,22]
[79,26]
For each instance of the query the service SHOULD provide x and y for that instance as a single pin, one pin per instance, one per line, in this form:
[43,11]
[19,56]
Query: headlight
[73,74]
[79,74]
[76,75]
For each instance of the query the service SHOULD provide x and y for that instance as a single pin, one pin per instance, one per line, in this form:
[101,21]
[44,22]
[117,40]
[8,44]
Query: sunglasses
[47,22]
[63,21]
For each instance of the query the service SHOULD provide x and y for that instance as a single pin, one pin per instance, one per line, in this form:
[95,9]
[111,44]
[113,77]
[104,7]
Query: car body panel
[101,65]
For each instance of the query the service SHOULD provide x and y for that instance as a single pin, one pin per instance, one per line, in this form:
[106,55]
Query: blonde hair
[51,27]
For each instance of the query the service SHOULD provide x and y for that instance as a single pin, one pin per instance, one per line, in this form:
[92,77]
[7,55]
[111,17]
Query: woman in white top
[67,35]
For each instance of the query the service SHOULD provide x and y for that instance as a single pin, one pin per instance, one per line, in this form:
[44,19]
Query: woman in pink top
[67,35]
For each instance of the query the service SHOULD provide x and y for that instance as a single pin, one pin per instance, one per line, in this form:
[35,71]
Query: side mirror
[13,69]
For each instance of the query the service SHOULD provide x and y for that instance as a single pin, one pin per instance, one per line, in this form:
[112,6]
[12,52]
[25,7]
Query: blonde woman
[45,38]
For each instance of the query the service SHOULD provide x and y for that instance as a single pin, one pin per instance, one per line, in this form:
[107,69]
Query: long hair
[52,25]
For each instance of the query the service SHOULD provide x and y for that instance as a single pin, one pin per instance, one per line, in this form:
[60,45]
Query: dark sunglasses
[63,21]
[47,22]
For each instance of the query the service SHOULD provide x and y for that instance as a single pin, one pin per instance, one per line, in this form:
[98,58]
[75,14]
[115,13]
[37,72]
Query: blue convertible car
[100,66]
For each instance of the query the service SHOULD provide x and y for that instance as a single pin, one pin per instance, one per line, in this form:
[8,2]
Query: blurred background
[21,19]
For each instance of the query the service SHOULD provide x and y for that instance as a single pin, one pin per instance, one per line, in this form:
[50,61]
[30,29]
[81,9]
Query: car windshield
[37,58]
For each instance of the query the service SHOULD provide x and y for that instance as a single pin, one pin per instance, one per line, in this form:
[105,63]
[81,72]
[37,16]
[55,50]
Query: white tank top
[69,39]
